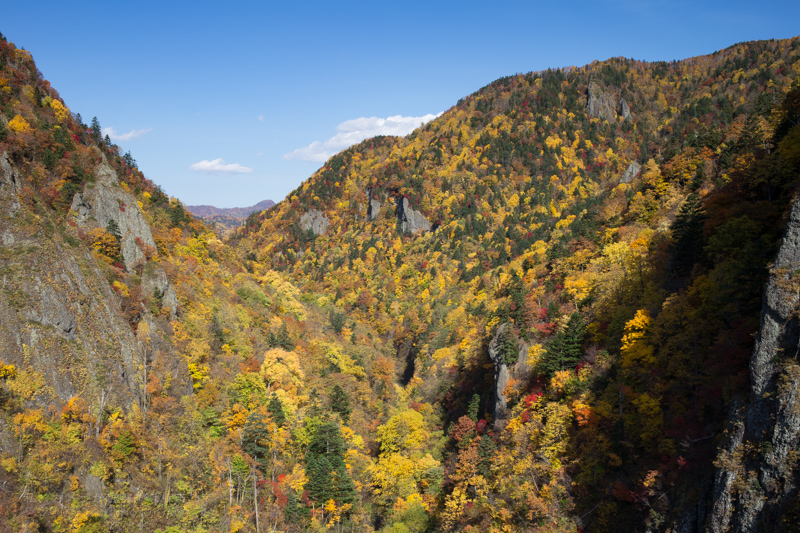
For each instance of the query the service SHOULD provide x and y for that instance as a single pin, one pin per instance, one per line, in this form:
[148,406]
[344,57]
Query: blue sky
[231,103]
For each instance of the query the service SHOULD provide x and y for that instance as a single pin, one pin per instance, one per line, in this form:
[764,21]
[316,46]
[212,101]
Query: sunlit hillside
[536,313]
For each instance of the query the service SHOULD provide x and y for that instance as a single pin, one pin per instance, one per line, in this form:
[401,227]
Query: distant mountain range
[226,219]
[209,211]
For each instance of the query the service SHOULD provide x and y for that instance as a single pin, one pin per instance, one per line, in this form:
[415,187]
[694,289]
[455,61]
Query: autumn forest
[541,312]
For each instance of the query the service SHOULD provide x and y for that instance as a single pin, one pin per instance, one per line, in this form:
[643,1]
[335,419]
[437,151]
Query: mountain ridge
[208,211]
[496,323]
[226,219]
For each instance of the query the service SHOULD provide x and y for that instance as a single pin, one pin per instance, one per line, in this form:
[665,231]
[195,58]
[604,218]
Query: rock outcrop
[631,172]
[501,376]
[60,320]
[503,372]
[757,476]
[373,206]
[624,109]
[155,283]
[601,103]
[315,221]
[105,200]
[411,221]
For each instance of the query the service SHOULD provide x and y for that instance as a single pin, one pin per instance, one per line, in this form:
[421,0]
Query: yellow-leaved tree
[402,468]
[281,368]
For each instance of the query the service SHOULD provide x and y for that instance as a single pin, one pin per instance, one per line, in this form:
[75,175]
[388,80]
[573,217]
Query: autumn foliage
[343,381]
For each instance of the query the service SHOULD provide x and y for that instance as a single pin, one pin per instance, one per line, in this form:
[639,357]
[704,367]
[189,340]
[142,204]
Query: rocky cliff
[315,221]
[756,481]
[601,103]
[60,320]
[411,221]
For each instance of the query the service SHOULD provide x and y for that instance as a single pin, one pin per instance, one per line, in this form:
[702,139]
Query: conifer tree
[113,228]
[255,436]
[474,406]
[96,131]
[564,350]
[280,339]
[340,403]
[275,408]
[687,235]
[325,468]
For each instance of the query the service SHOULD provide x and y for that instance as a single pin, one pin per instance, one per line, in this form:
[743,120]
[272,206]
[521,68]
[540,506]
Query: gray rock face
[58,313]
[601,104]
[10,180]
[374,209]
[624,109]
[752,489]
[373,205]
[501,377]
[156,282]
[411,221]
[94,487]
[631,172]
[106,201]
[315,221]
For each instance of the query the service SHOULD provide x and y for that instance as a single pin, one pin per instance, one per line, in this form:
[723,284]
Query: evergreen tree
[319,472]
[687,236]
[97,136]
[255,436]
[129,160]
[325,468]
[564,350]
[337,321]
[113,228]
[280,339]
[178,215]
[474,406]
[294,512]
[340,403]
[486,450]
[509,352]
[275,408]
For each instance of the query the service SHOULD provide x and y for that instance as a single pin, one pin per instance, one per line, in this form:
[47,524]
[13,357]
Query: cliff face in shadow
[755,483]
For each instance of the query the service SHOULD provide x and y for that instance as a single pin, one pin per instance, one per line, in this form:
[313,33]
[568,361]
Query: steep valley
[568,304]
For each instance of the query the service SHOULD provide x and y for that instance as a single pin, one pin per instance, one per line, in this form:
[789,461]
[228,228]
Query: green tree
[687,235]
[280,339]
[337,321]
[97,136]
[113,228]
[325,468]
[275,408]
[340,403]
[564,349]
[474,406]
[255,436]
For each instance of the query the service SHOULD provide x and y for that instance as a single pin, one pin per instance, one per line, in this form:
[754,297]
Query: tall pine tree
[340,403]
[564,350]
[325,468]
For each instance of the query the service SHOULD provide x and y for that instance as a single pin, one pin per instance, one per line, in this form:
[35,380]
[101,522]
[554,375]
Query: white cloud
[218,166]
[261,118]
[114,136]
[354,131]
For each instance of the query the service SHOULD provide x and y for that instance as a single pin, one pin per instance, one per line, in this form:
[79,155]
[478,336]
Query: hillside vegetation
[534,313]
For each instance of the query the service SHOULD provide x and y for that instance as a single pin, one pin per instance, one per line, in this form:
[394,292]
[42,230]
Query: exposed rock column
[501,377]
[757,476]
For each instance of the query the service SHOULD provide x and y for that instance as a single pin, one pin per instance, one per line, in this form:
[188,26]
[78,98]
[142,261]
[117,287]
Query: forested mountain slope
[619,218]
[532,314]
